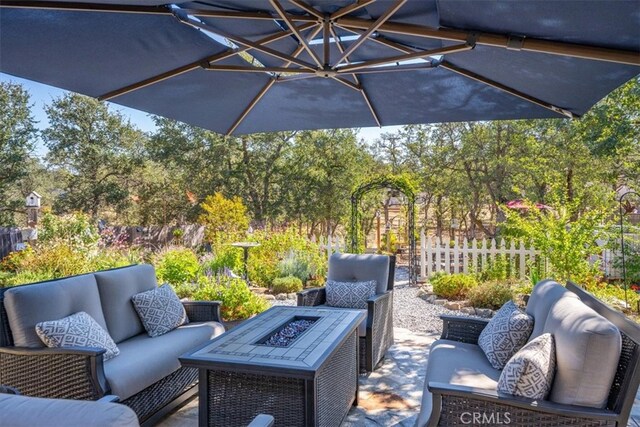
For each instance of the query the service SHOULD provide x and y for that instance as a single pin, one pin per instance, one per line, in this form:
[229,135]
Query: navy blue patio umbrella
[244,66]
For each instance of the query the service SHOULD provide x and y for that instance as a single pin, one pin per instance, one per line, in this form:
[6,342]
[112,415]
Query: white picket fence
[473,256]
[610,260]
[331,245]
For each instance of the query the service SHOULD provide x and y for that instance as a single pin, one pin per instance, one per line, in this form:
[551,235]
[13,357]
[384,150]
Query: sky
[42,95]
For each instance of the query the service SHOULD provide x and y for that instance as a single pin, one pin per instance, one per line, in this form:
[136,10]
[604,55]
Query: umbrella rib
[249,107]
[307,8]
[351,8]
[85,7]
[394,69]
[326,29]
[245,42]
[500,40]
[194,65]
[245,15]
[280,10]
[374,113]
[249,69]
[155,10]
[347,83]
[282,79]
[418,54]
[382,40]
[481,79]
[372,27]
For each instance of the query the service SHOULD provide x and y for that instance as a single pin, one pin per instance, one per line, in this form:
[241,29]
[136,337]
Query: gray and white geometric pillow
[505,334]
[349,294]
[529,373]
[160,310]
[77,330]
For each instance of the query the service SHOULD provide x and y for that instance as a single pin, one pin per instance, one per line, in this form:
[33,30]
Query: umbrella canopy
[244,66]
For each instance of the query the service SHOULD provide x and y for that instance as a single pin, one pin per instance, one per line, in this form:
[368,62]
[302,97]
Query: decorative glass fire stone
[286,334]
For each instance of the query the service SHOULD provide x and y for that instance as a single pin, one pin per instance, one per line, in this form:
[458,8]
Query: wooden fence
[154,237]
[10,240]
[473,256]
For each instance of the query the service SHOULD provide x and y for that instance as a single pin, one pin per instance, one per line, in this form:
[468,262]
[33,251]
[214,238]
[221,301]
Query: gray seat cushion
[544,295]
[453,362]
[144,360]
[22,411]
[360,268]
[116,288]
[587,353]
[53,300]
[362,327]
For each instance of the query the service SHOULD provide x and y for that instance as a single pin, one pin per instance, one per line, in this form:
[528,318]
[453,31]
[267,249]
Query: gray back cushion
[587,353]
[544,295]
[31,304]
[116,288]
[360,268]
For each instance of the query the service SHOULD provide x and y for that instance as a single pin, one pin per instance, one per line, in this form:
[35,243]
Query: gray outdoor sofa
[596,377]
[146,375]
[376,332]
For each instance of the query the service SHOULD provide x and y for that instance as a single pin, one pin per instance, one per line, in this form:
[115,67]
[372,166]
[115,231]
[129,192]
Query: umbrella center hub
[326,73]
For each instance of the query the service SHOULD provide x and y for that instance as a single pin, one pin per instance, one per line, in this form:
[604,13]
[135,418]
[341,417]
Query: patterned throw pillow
[529,373]
[77,330]
[505,334]
[349,294]
[160,310]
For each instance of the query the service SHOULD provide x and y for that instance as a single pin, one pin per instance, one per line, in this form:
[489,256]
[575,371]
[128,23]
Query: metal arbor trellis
[398,184]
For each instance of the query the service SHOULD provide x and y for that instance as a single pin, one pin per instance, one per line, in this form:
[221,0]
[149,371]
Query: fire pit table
[299,364]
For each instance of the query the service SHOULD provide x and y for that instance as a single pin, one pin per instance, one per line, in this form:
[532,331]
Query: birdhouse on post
[33,207]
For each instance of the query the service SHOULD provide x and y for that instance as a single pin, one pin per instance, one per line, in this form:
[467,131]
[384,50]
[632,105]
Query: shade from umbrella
[247,66]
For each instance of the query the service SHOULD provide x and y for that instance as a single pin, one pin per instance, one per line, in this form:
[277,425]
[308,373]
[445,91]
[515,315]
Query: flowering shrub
[276,247]
[286,285]
[453,286]
[491,294]
[176,265]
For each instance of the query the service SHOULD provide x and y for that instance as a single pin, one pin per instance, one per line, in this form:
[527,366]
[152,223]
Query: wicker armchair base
[461,411]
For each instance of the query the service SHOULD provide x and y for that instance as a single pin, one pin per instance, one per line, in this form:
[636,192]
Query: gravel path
[414,313]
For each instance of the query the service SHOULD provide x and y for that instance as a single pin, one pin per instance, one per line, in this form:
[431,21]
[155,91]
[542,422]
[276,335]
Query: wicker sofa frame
[78,373]
[379,336]
[450,402]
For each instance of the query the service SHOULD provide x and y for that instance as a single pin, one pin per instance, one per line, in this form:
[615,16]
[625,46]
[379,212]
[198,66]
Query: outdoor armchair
[376,332]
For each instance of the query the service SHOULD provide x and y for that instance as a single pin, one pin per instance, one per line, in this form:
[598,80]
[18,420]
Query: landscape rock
[268,297]
[453,305]
[281,297]
[440,301]
[468,310]
[292,295]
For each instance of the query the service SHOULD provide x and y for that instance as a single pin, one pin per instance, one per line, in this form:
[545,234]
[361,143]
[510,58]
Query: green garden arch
[398,183]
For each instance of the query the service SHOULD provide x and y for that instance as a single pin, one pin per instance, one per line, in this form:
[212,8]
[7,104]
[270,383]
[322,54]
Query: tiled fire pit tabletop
[312,381]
